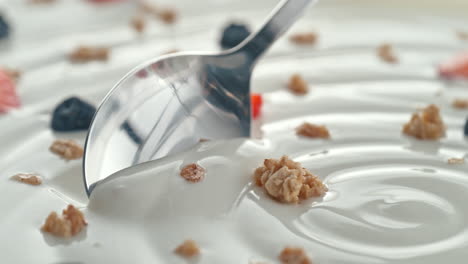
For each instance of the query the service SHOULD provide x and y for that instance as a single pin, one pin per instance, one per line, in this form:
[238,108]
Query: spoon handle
[280,20]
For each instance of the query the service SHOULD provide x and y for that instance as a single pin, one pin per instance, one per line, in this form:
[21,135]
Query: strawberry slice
[455,68]
[256,101]
[8,97]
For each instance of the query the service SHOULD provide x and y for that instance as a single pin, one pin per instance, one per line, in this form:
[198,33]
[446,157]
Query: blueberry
[4,28]
[234,34]
[465,130]
[72,114]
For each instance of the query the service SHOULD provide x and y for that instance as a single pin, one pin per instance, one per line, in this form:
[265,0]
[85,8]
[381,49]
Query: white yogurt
[392,199]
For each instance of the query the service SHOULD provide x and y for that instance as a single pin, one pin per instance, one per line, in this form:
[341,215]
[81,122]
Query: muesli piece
[287,181]
[460,103]
[138,23]
[89,53]
[306,38]
[188,249]
[312,131]
[455,161]
[386,53]
[291,255]
[168,15]
[27,178]
[70,223]
[426,124]
[298,85]
[193,173]
[67,149]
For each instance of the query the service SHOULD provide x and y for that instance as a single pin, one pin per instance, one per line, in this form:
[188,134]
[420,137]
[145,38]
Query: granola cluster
[386,53]
[287,181]
[69,224]
[27,178]
[188,249]
[427,124]
[312,131]
[307,38]
[291,255]
[193,172]
[89,53]
[67,149]
[298,85]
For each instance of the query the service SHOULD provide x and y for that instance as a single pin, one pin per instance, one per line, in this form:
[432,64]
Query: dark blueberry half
[72,114]
[4,28]
[234,34]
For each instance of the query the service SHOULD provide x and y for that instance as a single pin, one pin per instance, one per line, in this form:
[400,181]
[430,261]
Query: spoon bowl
[168,104]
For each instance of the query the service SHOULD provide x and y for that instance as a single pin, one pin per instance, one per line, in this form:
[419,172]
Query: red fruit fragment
[8,97]
[256,101]
[455,68]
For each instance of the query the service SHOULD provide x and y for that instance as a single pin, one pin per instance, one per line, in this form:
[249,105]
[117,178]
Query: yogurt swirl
[392,199]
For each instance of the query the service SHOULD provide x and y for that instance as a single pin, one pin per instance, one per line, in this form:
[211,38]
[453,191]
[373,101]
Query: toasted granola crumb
[138,23]
[306,38]
[27,178]
[460,103]
[312,131]
[12,73]
[287,181]
[193,172]
[69,224]
[170,51]
[385,52]
[427,124]
[188,249]
[453,161]
[462,35]
[298,85]
[67,149]
[291,255]
[168,15]
[89,53]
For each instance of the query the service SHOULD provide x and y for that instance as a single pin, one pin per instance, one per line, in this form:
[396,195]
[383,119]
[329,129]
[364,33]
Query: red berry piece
[8,97]
[455,68]
[256,102]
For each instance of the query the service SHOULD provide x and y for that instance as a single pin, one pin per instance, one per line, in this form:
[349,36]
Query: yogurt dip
[391,198]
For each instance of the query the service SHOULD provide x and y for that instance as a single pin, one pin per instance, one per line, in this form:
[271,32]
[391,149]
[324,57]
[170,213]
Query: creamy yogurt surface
[391,198]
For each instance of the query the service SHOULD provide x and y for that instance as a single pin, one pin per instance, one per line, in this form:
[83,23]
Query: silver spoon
[168,104]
